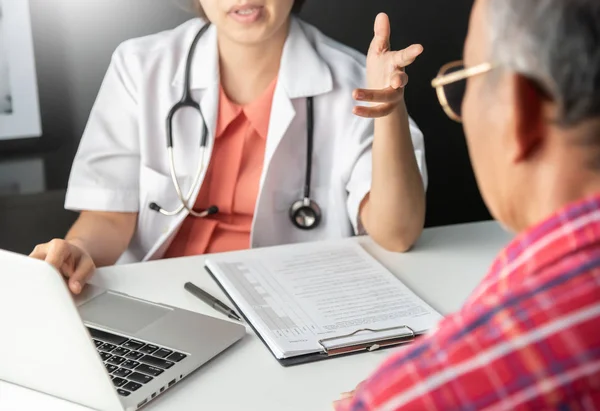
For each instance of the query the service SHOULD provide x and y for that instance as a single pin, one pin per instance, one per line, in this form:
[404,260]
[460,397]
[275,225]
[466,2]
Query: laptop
[104,350]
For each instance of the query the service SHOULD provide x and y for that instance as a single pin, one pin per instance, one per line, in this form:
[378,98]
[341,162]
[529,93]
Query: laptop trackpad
[121,313]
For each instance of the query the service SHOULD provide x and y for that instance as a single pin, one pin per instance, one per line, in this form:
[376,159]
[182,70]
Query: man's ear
[529,120]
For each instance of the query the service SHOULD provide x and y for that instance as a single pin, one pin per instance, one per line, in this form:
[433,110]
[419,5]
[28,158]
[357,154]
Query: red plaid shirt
[527,339]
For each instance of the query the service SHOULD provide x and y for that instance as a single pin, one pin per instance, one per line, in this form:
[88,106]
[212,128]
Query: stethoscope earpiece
[305,214]
[155,207]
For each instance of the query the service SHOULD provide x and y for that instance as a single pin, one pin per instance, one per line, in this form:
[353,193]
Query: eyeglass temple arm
[461,75]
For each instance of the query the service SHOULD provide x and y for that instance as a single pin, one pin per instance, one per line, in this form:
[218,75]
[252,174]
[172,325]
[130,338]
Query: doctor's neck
[247,70]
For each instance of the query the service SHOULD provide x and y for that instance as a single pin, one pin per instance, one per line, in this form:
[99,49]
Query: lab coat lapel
[302,74]
[282,114]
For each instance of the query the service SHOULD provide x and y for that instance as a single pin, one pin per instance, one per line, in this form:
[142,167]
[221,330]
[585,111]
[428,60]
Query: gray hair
[556,44]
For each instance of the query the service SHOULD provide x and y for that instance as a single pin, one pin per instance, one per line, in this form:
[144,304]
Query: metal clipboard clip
[370,344]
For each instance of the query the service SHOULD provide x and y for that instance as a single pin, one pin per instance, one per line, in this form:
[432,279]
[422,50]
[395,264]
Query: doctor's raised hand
[386,75]
[394,211]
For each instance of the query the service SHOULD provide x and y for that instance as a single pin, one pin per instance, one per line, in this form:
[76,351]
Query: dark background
[73,42]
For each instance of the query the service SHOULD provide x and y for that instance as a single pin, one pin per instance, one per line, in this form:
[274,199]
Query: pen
[210,300]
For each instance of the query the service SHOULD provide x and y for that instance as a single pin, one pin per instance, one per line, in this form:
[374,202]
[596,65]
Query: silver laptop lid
[44,341]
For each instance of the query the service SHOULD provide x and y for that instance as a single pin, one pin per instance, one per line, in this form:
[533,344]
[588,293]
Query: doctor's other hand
[386,75]
[71,261]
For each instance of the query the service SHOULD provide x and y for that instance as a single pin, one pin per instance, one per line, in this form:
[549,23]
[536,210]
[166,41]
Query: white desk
[444,268]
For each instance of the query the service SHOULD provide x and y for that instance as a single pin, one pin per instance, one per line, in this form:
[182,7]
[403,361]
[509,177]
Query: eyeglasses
[451,84]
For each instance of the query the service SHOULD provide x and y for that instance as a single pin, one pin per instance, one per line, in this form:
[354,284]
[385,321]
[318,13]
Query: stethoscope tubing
[298,209]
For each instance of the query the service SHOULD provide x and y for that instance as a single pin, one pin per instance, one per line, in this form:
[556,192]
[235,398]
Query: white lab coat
[122,164]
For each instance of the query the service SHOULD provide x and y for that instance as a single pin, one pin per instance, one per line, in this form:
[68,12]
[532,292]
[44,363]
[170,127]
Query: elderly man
[529,337]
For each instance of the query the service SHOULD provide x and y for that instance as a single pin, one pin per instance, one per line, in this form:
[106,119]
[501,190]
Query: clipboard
[407,335]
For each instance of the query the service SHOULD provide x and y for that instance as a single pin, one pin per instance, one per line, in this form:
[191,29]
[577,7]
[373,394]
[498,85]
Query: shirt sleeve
[105,172]
[359,183]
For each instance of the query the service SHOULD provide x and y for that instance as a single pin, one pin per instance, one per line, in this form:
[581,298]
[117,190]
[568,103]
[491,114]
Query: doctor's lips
[247,13]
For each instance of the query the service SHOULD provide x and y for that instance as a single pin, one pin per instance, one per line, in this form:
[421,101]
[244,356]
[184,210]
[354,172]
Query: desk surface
[444,268]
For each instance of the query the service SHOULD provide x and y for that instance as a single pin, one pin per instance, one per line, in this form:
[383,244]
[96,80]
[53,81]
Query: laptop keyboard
[132,363]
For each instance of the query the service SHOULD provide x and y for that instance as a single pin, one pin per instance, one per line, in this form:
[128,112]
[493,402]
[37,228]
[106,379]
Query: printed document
[297,296]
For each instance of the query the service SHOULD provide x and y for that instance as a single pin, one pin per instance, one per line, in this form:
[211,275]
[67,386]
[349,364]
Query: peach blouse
[232,180]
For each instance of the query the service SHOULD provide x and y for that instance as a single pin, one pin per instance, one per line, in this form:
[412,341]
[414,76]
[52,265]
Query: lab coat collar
[302,73]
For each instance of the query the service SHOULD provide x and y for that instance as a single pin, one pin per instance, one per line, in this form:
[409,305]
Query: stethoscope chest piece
[305,214]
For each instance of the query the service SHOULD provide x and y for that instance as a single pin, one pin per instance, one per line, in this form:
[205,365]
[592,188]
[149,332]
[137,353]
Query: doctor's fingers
[57,253]
[60,255]
[399,79]
[377,111]
[50,252]
[406,57]
[387,95]
[381,34]
[83,272]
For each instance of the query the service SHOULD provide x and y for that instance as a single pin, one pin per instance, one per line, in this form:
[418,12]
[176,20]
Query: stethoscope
[305,213]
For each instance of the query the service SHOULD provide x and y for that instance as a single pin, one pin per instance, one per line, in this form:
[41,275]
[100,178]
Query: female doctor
[243,132]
